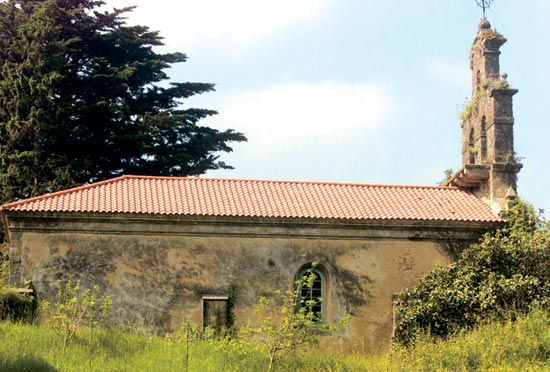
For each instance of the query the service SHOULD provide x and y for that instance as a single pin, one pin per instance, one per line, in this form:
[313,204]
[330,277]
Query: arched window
[312,296]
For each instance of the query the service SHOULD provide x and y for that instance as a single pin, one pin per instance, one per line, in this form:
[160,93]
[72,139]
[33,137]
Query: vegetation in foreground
[506,274]
[489,311]
[521,345]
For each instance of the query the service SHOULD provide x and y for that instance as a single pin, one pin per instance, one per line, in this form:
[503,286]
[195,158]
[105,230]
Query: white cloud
[294,113]
[224,23]
[456,74]
[294,129]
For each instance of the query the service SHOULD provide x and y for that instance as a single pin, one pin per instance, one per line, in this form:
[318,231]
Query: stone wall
[158,269]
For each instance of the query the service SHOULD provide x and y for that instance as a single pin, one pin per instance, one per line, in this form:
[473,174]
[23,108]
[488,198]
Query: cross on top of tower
[484,4]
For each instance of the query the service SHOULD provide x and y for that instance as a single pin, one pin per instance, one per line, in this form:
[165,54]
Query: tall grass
[523,345]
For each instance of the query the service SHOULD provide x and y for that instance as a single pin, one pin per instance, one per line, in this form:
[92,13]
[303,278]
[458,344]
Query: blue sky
[361,91]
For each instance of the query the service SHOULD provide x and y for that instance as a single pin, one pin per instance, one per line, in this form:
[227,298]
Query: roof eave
[411,224]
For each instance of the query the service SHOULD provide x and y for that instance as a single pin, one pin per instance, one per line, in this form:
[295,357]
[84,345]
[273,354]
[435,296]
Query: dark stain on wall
[350,286]
[88,265]
[454,249]
[353,288]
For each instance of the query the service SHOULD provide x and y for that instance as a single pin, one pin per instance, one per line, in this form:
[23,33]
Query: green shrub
[74,308]
[17,307]
[504,275]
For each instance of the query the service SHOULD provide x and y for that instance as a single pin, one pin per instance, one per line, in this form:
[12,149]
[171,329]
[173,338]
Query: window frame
[322,277]
[215,302]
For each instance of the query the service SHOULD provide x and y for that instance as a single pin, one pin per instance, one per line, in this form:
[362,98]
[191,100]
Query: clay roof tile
[254,198]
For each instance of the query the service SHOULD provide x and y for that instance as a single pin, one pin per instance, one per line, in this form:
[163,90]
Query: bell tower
[489,164]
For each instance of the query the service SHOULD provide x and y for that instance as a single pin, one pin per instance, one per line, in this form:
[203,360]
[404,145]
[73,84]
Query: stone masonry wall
[157,280]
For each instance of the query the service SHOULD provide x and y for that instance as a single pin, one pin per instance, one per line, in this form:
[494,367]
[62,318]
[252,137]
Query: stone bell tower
[489,165]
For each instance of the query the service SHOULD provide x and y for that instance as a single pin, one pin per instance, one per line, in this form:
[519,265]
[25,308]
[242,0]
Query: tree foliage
[16,306]
[84,97]
[287,321]
[4,264]
[504,275]
[74,308]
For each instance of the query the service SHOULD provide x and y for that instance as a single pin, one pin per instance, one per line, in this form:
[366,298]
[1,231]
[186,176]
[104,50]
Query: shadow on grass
[26,364]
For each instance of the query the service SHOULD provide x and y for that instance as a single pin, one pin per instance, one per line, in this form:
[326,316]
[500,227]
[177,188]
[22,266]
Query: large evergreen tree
[84,97]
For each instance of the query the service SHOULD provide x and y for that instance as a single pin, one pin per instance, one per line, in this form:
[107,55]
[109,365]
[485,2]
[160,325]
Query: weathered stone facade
[158,270]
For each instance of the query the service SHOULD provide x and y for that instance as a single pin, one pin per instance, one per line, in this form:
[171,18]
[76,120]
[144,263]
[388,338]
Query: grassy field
[520,346]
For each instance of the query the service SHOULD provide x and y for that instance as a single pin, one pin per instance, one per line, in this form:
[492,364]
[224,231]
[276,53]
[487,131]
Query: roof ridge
[286,181]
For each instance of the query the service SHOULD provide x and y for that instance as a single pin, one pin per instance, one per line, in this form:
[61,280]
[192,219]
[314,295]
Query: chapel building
[168,249]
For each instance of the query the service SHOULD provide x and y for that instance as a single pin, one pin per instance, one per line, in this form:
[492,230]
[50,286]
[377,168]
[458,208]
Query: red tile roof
[253,198]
